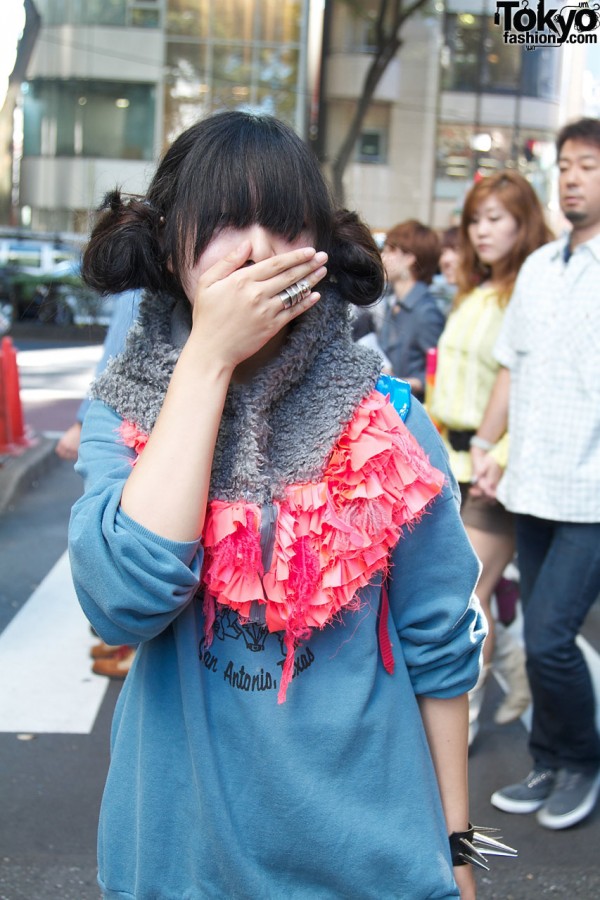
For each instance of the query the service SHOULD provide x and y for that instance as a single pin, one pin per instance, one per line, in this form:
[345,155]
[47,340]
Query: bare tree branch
[391,16]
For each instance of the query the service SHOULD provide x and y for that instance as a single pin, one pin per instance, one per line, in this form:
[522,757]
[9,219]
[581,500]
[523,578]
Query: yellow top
[466,372]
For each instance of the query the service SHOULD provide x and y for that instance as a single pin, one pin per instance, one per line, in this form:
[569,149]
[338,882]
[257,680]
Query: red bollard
[13,439]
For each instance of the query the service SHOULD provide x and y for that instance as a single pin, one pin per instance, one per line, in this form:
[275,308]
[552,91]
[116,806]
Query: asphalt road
[51,783]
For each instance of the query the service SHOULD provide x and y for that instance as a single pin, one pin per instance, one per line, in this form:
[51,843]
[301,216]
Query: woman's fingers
[298,297]
[298,276]
[234,260]
[261,271]
[280,272]
[238,308]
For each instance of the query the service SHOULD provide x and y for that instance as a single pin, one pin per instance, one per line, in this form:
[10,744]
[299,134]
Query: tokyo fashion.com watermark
[552,27]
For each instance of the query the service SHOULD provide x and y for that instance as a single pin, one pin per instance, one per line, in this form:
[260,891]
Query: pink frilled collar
[330,537]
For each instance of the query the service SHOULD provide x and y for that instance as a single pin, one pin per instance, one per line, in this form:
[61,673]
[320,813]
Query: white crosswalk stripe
[46,682]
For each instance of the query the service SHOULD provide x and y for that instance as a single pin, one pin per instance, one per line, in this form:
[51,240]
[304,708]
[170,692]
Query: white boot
[476,695]
[509,663]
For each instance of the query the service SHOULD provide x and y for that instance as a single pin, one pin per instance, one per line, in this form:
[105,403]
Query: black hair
[586,130]
[230,169]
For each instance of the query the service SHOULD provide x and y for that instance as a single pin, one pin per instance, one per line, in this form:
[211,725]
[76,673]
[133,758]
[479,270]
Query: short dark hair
[586,130]
[231,169]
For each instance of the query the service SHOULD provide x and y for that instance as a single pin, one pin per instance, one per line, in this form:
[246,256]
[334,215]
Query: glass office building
[112,82]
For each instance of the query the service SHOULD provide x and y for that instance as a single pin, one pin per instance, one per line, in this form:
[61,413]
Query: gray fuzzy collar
[280,428]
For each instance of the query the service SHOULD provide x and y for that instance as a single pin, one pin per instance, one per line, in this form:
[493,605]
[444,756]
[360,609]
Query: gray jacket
[409,328]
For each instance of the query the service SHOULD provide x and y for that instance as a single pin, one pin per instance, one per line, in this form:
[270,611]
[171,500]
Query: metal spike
[485,829]
[491,845]
[474,862]
[472,849]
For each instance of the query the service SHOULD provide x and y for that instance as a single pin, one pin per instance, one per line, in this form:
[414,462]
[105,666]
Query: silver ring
[305,289]
[290,296]
[286,298]
[295,293]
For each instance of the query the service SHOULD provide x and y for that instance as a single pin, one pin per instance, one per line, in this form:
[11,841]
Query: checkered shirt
[550,341]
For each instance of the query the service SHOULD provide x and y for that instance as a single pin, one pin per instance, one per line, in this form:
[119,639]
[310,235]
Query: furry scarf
[280,428]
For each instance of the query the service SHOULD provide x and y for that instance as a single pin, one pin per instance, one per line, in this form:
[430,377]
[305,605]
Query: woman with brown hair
[502,223]
[412,321]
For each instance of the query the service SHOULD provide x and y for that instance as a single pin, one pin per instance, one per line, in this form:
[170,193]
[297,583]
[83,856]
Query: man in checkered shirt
[548,393]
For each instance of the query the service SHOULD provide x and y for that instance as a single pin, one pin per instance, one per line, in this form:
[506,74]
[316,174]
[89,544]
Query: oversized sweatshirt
[216,790]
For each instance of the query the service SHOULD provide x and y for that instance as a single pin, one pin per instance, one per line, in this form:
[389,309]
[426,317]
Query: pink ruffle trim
[132,437]
[331,538]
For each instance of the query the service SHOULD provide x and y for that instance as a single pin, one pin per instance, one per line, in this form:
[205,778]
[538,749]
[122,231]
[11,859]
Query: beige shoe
[103,651]
[117,665]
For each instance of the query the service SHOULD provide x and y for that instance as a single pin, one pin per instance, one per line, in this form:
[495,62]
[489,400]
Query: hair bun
[112,200]
[124,251]
[354,260]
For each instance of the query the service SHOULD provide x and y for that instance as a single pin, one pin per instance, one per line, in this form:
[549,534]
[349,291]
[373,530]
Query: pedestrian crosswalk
[46,683]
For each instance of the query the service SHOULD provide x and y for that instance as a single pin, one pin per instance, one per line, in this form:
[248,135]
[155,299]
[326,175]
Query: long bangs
[243,170]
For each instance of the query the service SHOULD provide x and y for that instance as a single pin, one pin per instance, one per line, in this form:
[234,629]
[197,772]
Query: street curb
[17,472]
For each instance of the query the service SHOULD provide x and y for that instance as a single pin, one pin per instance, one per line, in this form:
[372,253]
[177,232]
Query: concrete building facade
[457,100]
[111,82]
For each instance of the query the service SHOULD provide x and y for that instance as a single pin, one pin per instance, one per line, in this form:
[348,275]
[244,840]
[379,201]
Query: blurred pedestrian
[444,285]
[124,314]
[502,223]
[547,392]
[412,321]
[247,473]
[113,661]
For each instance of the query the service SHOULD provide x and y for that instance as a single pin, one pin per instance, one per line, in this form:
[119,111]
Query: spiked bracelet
[468,847]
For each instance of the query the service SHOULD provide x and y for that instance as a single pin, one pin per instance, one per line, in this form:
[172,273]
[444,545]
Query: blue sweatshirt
[215,790]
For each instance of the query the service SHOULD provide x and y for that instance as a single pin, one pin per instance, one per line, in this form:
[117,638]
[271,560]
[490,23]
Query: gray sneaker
[573,798]
[528,795]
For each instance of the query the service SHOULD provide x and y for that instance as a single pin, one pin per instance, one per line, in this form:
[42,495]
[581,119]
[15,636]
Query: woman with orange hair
[502,223]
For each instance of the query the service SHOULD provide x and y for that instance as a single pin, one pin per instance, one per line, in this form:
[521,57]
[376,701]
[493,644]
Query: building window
[232,54]
[356,27]
[107,119]
[463,151]
[119,13]
[144,15]
[371,147]
[476,59]
[372,144]
[188,17]
[276,21]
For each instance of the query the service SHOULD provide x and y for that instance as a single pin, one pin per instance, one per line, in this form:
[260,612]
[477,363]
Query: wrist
[202,362]
[468,847]
[480,443]
[457,847]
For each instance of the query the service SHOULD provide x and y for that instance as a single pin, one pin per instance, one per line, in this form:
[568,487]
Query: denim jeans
[559,564]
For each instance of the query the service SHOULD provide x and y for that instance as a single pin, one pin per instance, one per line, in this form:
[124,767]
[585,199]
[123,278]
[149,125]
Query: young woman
[412,320]
[295,720]
[502,223]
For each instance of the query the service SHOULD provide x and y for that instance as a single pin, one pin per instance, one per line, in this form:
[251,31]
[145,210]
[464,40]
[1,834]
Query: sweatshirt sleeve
[432,581]
[131,583]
